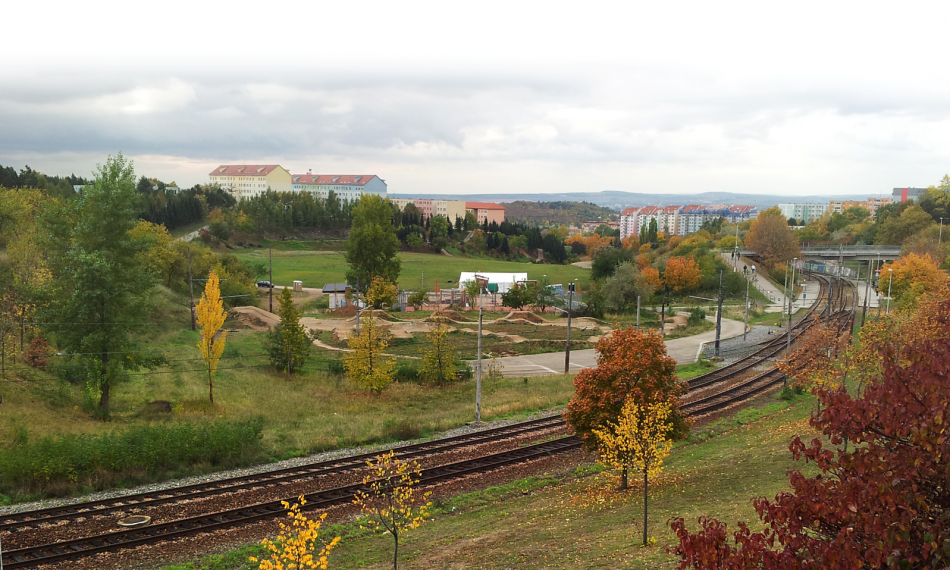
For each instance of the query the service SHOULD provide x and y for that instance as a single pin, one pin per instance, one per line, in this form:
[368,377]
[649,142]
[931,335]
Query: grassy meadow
[575,519]
[317,268]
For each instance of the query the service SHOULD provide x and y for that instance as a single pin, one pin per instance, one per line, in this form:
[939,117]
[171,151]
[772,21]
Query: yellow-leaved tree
[438,363]
[392,503]
[381,292]
[210,314]
[296,545]
[639,441]
[367,365]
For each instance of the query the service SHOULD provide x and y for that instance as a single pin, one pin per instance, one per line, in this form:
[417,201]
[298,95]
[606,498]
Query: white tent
[504,280]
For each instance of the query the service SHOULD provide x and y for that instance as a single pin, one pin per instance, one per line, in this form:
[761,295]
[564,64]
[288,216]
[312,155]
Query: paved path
[681,349]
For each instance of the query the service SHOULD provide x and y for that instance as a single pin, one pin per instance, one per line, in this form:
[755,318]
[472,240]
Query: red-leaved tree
[885,503]
[631,364]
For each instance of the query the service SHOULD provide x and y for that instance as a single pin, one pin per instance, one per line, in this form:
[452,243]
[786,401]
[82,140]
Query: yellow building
[249,180]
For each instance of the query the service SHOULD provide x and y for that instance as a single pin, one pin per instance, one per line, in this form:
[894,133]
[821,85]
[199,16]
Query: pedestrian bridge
[847,252]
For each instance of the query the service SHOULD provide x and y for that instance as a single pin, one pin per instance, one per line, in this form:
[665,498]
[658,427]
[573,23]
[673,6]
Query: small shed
[336,292]
[497,282]
[298,286]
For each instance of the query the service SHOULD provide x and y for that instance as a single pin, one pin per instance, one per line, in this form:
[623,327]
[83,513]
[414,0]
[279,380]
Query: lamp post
[747,282]
[890,280]
[791,299]
[735,259]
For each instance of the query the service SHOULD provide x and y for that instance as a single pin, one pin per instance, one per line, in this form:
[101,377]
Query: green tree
[367,365]
[381,292]
[620,291]
[289,343]
[418,298]
[438,227]
[896,229]
[100,288]
[771,238]
[372,246]
[439,361]
[517,297]
[543,294]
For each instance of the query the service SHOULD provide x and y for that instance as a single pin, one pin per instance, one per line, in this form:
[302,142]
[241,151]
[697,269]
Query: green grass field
[575,519]
[316,269]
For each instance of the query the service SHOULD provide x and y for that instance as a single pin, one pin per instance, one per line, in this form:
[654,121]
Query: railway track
[112,541]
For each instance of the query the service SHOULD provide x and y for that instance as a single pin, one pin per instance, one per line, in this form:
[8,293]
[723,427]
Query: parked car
[265,284]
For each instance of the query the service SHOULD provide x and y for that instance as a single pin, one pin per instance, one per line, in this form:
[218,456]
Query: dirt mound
[379,314]
[526,315]
[347,311]
[255,318]
[448,315]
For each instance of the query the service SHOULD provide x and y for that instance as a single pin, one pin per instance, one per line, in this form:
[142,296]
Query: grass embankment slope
[575,519]
[317,268]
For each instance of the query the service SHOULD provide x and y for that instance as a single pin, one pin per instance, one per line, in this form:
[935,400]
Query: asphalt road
[682,350]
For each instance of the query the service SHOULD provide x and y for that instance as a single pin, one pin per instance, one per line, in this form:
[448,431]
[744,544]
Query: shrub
[61,464]
[407,372]
[696,316]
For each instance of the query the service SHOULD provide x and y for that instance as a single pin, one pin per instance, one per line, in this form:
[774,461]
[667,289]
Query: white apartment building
[345,186]
[629,222]
[449,209]
[671,220]
[249,180]
[647,215]
[808,212]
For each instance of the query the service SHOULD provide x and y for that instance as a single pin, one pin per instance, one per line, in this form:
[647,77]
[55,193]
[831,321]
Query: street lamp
[890,280]
[791,299]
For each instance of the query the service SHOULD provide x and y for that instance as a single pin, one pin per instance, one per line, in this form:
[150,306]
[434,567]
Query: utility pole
[663,313]
[735,259]
[890,281]
[747,283]
[719,314]
[867,292]
[478,371]
[270,290]
[785,300]
[638,312]
[570,306]
[940,235]
[357,305]
[191,289]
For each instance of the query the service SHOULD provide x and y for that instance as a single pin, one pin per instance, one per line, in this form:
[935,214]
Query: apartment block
[486,211]
[807,212]
[249,180]
[344,186]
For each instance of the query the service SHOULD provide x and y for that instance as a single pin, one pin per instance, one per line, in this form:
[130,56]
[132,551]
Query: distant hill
[618,200]
[561,212]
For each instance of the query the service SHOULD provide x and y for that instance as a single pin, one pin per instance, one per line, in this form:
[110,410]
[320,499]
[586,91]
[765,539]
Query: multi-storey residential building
[692,217]
[741,213]
[839,206]
[807,212]
[874,203]
[249,180]
[450,209]
[486,211]
[671,220]
[629,224]
[649,214]
[345,186]
[905,194]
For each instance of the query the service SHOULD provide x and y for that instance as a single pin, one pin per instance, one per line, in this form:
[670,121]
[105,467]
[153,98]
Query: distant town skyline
[522,98]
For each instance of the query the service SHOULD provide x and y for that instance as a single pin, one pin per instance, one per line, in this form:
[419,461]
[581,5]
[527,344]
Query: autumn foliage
[682,273]
[811,363]
[883,502]
[631,365]
[771,238]
[913,276]
[210,314]
[297,547]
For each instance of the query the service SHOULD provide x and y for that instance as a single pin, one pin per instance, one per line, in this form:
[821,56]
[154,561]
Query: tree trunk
[645,507]
[210,386]
[104,386]
[395,551]
[623,479]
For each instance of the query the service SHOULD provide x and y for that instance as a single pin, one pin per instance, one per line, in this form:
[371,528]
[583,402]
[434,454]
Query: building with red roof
[344,186]
[249,180]
[486,211]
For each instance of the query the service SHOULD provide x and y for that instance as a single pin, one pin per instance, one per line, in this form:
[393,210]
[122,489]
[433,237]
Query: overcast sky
[666,97]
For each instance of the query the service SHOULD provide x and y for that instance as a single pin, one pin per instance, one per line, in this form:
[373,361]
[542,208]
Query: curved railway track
[82,547]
